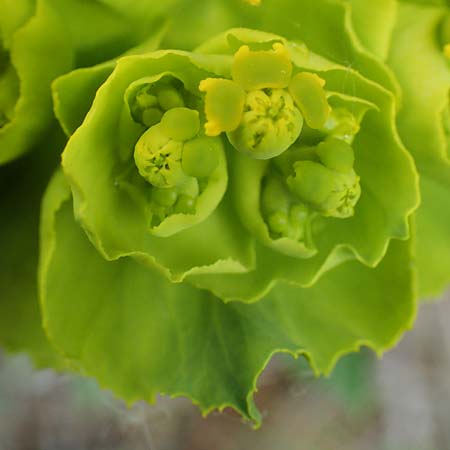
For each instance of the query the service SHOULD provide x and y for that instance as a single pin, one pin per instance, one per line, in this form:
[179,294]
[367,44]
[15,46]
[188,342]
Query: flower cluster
[216,203]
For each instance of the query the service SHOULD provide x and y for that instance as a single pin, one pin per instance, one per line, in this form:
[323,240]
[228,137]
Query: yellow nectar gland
[308,93]
[224,105]
[262,69]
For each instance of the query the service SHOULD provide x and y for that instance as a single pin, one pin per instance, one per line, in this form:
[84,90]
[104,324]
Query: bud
[158,158]
[200,157]
[180,124]
[330,192]
[149,101]
[283,214]
[270,124]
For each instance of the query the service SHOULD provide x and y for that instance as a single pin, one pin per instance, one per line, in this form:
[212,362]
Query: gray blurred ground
[401,402]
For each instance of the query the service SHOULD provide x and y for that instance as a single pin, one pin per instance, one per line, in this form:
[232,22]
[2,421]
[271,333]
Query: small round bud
[346,193]
[180,124]
[270,125]
[200,157]
[144,106]
[185,204]
[274,196]
[299,213]
[164,197]
[158,159]
[150,117]
[169,97]
[149,101]
[330,192]
[312,182]
[144,98]
[336,154]
[279,223]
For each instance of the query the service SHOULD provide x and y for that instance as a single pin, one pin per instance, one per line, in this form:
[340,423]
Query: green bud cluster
[263,108]
[329,185]
[284,215]
[168,201]
[152,100]
[271,123]
[175,160]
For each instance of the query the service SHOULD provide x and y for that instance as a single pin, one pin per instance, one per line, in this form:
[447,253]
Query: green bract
[223,204]
[42,39]
[425,80]
[417,51]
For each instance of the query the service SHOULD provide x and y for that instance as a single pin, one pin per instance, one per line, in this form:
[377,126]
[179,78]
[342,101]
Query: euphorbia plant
[208,215]
[220,204]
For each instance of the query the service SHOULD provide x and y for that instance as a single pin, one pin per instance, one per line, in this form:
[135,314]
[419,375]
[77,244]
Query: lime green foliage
[175,224]
[217,205]
[418,60]
[42,39]
[139,334]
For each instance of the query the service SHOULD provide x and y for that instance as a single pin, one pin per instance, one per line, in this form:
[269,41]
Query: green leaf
[38,51]
[102,29]
[47,38]
[14,15]
[326,27]
[74,92]
[418,60]
[138,334]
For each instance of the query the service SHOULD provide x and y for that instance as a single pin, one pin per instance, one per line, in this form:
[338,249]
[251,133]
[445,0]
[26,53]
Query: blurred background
[401,402]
